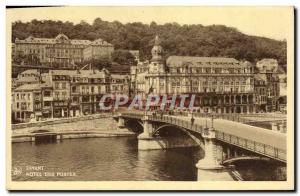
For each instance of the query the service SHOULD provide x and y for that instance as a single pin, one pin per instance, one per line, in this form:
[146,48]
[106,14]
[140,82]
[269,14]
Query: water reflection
[109,159]
[106,159]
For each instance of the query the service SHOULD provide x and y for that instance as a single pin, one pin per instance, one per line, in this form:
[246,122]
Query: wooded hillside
[193,40]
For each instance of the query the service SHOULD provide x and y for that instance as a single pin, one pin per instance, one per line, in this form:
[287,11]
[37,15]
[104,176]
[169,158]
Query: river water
[109,159]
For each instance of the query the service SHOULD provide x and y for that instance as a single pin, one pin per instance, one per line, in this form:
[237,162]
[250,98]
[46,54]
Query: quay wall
[58,121]
[73,135]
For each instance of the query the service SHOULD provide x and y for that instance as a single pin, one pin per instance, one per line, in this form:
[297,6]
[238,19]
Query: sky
[271,22]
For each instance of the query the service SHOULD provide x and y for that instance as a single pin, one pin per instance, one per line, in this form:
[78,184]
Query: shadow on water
[261,171]
[111,159]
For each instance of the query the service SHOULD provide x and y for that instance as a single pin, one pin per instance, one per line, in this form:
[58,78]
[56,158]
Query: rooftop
[174,61]
[28,87]
[80,73]
[61,38]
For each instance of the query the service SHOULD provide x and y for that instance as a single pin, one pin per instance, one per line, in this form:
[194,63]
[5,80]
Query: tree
[27,59]
[192,40]
[99,63]
[123,57]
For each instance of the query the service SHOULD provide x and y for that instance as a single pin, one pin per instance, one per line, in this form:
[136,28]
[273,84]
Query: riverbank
[99,125]
[59,121]
[56,136]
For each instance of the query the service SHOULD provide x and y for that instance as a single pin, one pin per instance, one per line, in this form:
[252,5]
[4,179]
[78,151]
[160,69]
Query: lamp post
[206,114]
[212,121]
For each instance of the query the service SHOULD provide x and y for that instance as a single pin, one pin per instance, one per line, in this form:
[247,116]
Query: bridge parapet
[215,143]
[253,146]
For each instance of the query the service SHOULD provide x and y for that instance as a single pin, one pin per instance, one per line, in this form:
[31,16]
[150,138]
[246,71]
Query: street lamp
[206,114]
[212,121]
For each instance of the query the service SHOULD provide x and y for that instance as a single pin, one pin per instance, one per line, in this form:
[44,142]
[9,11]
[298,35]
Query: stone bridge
[223,141]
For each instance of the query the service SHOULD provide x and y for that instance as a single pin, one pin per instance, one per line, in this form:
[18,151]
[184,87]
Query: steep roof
[60,37]
[175,61]
[119,76]
[27,79]
[260,77]
[31,71]
[28,87]
[81,73]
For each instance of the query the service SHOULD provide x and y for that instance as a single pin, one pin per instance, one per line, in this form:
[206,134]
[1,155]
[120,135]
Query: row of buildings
[62,93]
[61,50]
[221,85]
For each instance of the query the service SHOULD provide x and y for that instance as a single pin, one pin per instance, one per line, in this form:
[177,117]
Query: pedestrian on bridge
[192,120]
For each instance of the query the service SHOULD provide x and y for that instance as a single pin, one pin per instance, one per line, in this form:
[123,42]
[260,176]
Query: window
[56,85]
[74,89]
[242,89]
[47,103]
[63,85]
[64,94]
[18,105]
[47,94]
[75,99]
[107,88]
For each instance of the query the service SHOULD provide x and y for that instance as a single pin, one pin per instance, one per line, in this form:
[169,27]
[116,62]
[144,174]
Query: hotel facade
[221,85]
[62,52]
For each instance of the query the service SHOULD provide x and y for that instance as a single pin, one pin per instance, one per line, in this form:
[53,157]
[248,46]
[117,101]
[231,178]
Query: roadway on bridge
[257,134]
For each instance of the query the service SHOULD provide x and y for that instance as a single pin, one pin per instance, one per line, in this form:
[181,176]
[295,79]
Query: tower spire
[156,40]
[157,50]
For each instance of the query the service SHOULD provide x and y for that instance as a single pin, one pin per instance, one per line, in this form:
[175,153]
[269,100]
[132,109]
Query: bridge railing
[179,122]
[250,145]
[253,146]
[133,115]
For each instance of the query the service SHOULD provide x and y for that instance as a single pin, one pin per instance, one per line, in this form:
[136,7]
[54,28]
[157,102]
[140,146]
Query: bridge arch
[134,125]
[244,158]
[188,133]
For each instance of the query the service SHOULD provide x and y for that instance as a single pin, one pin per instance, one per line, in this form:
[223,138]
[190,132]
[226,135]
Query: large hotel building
[221,85]
[62,51]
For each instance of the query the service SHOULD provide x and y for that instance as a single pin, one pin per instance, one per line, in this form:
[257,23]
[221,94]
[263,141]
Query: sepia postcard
[150,98]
